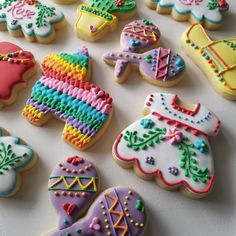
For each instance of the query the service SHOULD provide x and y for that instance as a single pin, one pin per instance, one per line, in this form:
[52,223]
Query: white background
[30,213]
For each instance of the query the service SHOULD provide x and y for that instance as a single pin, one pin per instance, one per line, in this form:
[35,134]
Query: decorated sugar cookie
[15,157]
[207,12]
[16,66]
[170,144]
[99,17]
[30,18]
[73,185]
[217,59]
[139,36]
[161,67]
[63,92]
[117,211]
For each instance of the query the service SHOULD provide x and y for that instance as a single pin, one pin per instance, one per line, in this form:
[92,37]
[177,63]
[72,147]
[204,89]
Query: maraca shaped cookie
[161,67]
[73,185]
[16,66]
[139,36]
[63,93]
[117,211]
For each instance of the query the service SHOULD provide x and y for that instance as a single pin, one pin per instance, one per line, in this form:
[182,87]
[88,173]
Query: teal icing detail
[30,158]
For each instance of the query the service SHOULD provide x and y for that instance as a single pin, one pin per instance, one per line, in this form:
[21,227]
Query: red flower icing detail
[75,160]
[222,3]
[30,2]
[14,63]
[119,3]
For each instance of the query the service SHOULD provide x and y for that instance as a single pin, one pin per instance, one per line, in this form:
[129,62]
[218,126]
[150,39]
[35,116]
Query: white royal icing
[9,177]
[20,14]
[165,154]
[198,8]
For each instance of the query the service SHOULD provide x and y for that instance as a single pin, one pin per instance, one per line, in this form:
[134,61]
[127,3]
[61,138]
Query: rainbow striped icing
[64,93]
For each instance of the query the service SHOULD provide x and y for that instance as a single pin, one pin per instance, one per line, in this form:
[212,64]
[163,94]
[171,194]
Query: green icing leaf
[6,4]
[7,158]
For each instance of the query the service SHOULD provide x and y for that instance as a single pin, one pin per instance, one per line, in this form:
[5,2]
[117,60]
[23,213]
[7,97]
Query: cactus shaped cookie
[16,66]
[30,18]
[99,17]
[73,185]
[217,59]
[15,157]
[207,12]
[170,144]
[117,211]
[64,93]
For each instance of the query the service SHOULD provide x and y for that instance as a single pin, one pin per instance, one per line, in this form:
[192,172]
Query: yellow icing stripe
[33,111]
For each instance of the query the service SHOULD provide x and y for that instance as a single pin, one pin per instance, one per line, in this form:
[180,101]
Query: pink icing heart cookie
[207,12]
[31,19]
[16,66]
[15,158]
[170,144]
[117,211]
[63,92]
[73,185]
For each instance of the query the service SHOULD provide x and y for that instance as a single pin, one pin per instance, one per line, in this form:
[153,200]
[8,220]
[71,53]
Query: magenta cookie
[118,211]
[73,185]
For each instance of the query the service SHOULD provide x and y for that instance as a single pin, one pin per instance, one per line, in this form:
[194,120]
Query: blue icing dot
[180,64]
[134,42]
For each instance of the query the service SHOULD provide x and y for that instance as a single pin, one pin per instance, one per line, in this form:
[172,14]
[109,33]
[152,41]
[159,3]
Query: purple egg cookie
[73,185]
[139,35]
[117,211]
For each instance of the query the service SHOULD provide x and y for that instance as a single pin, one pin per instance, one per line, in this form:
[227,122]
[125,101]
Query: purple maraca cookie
[161,67]
[117,211]
[73,185]
[139,35]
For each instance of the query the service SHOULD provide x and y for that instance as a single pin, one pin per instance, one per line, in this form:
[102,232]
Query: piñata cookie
[207,12]
[117,211]
[15,158]
[170,144]
[62,92]
[217,59]
[73,185]
[98,17]
[17,67]
[159,66]
[31,19]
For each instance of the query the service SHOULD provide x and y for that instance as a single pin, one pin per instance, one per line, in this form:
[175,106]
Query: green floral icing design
[187,150]
[230,44]
[6,3]
[8,158]
[114,5]
[189,163]
[148,139]
[43,13]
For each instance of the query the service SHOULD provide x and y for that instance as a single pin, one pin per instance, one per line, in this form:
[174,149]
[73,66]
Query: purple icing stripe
[69,119]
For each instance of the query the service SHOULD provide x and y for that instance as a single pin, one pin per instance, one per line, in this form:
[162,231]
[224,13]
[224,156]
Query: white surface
[30,213]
